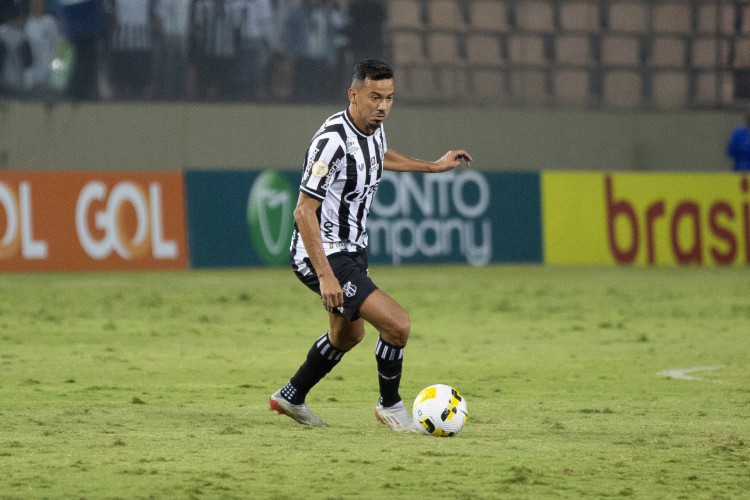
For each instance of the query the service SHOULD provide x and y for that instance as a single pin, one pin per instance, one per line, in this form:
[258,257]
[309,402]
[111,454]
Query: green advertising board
[238,218]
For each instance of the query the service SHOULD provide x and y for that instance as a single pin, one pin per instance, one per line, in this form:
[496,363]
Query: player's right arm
[305,215]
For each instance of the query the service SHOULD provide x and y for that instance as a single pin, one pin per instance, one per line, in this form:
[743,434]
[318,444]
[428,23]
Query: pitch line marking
[685,373]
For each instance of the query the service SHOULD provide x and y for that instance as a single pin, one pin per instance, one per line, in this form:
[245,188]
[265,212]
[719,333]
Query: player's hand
[331,294]
[452,159]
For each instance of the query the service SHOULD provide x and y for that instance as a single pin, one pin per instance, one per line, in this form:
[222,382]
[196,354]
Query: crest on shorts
[349,289]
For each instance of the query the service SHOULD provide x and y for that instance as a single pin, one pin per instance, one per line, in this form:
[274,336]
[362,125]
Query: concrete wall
[117,136]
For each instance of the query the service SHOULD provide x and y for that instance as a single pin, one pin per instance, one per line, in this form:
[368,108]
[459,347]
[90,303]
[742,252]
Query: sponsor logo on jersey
[352,146]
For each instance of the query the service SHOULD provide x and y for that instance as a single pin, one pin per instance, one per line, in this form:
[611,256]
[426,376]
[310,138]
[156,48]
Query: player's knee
[355,337]
[399,329]
[346,339]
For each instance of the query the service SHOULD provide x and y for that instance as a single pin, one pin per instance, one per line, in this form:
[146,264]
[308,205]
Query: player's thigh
[343,333]
[387,316]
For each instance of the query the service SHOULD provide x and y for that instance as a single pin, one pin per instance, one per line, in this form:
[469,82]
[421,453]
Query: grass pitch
[155,385]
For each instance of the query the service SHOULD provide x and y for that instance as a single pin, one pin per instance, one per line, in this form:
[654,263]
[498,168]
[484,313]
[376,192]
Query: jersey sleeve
[321,163]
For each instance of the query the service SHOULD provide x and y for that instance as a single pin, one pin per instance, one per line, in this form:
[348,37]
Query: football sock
[321,358]
[390,361]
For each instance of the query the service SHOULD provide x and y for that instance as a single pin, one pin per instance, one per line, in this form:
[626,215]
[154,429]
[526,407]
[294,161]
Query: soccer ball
[440,410]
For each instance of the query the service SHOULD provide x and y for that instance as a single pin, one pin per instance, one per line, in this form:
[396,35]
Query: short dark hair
[372,69]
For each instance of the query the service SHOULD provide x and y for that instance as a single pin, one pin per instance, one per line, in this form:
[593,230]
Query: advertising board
[649,219]
[245,218]
[91,221]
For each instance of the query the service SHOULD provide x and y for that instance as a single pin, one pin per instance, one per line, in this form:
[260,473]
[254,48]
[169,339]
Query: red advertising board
[92,221]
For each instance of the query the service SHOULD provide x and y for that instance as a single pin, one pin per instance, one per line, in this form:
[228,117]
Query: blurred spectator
[256,23]
[215,39]
[53,7]
[172,22]
[10,9]
[295,41]
[15,51]
[44,37]
[366,35]
[281,65]
[313,64]
[311,45]
[131,48]
[84,24]
[339,63]
[738,147]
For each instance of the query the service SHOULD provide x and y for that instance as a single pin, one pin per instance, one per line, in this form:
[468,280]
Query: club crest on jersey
[319,169]
[349,289]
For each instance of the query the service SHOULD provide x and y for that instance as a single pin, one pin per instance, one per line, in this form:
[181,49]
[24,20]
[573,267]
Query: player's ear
[352,94]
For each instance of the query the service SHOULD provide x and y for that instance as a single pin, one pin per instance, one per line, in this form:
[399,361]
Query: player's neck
[359,123]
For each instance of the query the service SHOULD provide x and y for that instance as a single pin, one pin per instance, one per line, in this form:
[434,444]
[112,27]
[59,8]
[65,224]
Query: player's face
[370,103]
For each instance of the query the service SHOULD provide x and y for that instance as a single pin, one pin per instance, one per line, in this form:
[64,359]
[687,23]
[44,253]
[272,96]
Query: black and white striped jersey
[216,26]
[132,32]
[342,170]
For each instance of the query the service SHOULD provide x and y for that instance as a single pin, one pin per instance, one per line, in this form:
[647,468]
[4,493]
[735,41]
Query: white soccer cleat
[299,413]
[396,417]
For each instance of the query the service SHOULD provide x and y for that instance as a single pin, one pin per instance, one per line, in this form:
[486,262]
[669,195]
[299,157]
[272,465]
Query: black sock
[390,360]
[321,358]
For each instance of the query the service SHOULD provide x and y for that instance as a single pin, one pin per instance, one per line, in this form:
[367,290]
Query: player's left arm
[397,162]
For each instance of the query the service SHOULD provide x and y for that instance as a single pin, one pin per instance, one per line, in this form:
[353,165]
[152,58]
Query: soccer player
[343,166]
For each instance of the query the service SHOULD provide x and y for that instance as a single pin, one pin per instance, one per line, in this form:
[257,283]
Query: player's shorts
[350,268]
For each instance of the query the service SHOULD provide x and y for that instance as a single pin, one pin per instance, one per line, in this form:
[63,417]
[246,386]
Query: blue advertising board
[245,218]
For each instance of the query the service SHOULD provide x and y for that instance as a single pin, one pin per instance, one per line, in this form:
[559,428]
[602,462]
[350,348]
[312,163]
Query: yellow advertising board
[646,219]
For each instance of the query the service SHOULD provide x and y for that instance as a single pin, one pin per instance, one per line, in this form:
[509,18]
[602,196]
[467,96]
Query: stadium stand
[579,16]
[483,50]
[622,88]
[621,50]
[536,16]
[488,15]
[571,87]
[572,49]
[660,54]
[405,14]
[672,18]
[445,14]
